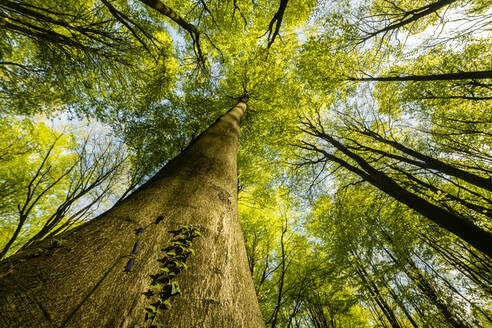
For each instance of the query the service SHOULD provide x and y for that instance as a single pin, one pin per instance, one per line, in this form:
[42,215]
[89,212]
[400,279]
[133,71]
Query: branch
[276,20]
[414,16]
[190,28]
[236,7]
[123,19]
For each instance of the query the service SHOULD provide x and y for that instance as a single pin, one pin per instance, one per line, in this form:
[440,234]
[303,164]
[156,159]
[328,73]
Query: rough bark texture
[81,283]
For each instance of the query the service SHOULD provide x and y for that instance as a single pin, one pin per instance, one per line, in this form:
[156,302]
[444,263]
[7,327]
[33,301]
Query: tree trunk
[427,289]
[373,290]
[79,280]
[430,77]
[448,220]
[433,163]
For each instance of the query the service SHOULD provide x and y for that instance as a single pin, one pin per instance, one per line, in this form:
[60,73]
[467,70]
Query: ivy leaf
[175,288]
[159,219]
[151,309]
[167,304]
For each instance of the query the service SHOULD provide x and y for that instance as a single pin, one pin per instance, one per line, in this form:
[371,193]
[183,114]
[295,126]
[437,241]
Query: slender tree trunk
[12,239]
[430,77]
[434,163]
[455,97]
[273,321]
[82,283]
[397,299]
[373,290]
[426,287]
[461,263]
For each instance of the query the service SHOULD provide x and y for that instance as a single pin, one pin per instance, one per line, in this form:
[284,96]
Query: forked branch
[277,21]
[190,28]
[407,17]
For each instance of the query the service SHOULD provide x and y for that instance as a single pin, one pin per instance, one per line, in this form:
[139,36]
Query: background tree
[51,182]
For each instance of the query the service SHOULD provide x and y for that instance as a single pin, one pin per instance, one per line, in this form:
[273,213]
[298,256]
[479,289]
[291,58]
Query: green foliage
[52,180]
[76,56]
[23,148]
[324,247]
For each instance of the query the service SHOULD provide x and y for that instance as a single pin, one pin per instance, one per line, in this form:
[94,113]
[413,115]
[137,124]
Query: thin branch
[413,15]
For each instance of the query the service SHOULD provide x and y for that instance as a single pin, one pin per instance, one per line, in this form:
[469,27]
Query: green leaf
[167,304]
[175,288]
[151,309]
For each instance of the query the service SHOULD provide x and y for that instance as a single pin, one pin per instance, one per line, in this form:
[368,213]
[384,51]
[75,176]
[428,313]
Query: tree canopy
[365,160]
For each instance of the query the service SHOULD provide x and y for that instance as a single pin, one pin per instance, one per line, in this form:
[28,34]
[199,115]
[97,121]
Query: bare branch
[411,16]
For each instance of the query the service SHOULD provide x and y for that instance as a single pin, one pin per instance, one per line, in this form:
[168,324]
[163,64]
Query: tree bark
[277,21]
[169,12]
[431,77]
[81,282]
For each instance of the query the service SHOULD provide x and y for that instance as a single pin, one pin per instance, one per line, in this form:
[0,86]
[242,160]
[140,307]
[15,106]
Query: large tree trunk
[82,283]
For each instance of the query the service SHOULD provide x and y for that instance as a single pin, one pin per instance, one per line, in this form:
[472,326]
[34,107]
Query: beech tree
[122,250]
[358,196]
